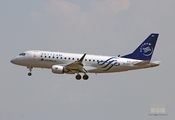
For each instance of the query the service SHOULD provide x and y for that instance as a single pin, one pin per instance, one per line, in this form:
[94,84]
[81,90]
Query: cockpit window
[22,54]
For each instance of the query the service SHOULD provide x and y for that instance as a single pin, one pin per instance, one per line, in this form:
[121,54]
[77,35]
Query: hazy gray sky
[105,27]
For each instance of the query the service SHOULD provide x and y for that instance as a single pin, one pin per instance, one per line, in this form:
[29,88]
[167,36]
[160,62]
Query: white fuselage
[91,63]
[73,63]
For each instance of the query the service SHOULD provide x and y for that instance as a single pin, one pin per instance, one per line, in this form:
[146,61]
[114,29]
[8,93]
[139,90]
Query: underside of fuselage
[90,69]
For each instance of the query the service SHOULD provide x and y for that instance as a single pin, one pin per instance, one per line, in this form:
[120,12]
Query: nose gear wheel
[30,69]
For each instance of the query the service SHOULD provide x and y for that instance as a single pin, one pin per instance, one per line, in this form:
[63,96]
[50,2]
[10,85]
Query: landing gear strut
[30,69]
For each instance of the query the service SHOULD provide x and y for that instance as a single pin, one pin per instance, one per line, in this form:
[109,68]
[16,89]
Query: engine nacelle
[57,69]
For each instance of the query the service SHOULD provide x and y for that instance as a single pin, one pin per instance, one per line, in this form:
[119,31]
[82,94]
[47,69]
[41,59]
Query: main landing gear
[85,77]
[30,69]
[78,76]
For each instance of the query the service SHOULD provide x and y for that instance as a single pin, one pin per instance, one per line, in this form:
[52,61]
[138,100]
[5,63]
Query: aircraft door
[35,56]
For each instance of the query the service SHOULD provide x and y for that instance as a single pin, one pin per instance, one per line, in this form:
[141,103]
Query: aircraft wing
[89,68]
[76,66]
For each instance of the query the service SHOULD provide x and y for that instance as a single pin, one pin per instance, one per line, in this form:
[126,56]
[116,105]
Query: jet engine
[57,69]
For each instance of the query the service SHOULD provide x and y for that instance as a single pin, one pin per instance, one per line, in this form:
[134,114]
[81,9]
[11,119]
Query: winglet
[82,58]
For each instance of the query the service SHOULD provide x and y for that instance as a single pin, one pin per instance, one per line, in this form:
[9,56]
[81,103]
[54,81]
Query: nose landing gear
[30,69]
[29,74]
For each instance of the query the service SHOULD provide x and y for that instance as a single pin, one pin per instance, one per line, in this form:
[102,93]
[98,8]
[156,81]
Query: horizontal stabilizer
[142,63]
[155,63]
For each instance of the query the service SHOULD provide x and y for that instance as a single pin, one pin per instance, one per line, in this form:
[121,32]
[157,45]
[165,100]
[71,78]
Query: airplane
[74,63]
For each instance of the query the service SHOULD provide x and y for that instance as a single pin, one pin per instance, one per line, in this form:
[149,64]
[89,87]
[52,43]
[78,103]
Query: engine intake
[57,69]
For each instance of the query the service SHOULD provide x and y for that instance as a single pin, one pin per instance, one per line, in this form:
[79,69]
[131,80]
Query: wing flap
[89,68]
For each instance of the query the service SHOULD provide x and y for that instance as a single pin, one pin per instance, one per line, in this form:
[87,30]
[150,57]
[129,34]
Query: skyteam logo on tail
[146,49]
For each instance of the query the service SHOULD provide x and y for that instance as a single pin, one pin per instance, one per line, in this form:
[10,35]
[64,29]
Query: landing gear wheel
[85,77]
[78,77]
[29,74]
[30,69]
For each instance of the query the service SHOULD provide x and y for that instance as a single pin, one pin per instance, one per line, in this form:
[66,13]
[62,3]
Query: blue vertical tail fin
[145,50]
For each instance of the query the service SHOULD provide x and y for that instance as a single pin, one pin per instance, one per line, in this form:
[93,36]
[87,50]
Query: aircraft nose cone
[13,61]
